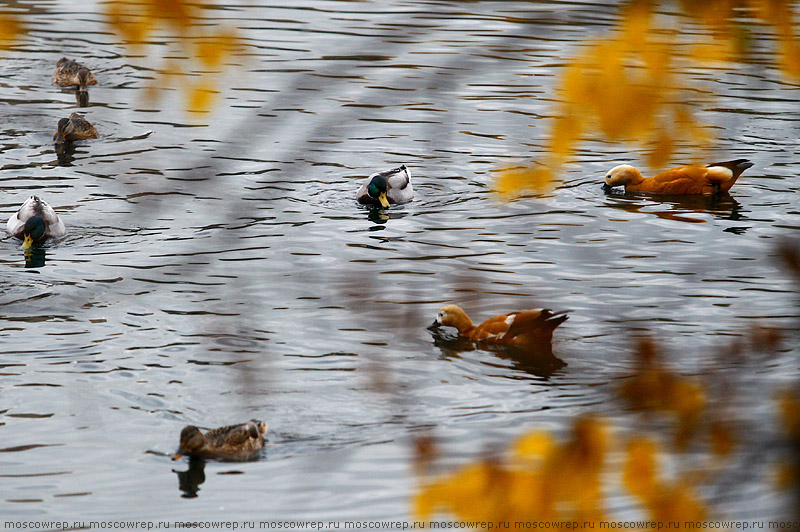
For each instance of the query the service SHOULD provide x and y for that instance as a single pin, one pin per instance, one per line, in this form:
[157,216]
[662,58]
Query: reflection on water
[189,480]
[217,267]
[82,98]
[34,257]
[678,208]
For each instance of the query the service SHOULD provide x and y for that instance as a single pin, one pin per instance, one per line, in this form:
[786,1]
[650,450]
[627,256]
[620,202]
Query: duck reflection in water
[34,257]
[82,98]
[189,481]
[525,338]
[680,208]
[65,154]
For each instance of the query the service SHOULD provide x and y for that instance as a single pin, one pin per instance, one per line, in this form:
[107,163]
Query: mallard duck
[386,188]
[235,442]
[76,127]
[710,179]
[70,73]
[524,330]
[35,222]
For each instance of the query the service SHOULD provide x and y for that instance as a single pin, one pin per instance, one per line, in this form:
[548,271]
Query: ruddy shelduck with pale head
[714,178]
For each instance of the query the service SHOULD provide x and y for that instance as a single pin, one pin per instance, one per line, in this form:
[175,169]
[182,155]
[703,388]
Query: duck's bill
[434,325]
[27,243]
[607,187]
[177,455]
[384,200]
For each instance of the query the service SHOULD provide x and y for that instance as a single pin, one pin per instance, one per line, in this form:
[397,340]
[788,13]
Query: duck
[529,330]
[387,188]
[237,443]
[75,127]
[712,178]
[70,73]
[35,222]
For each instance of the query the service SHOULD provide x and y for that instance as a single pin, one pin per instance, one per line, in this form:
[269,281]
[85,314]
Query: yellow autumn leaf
[11,29]
[511,181]
[786,476]
[201,98]
[722,439]
[639,474]
[534,445]
[789,405]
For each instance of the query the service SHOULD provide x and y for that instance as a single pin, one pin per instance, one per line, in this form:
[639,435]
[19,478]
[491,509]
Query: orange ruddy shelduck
[711,179]
[530,329]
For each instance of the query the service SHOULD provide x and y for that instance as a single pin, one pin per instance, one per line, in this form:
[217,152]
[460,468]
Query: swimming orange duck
[233,443]
[710,179]
[527,330]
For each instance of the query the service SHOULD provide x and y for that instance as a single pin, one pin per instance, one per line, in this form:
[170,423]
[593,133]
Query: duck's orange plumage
[714,178]
[530,329]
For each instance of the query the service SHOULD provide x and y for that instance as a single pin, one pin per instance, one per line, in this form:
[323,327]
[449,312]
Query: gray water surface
[219,269]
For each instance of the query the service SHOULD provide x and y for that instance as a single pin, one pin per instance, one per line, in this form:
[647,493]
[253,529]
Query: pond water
[217,267]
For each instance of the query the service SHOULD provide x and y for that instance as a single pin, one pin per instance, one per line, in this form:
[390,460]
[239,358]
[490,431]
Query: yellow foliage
[722,439]
[512,180]
[201,97]
[664,501]
[639,475]
[789,404]
[11,29]
[208,46]
[629,87]
[541,481]
[655,388]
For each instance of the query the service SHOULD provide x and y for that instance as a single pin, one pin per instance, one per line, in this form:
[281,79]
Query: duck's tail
[736,167]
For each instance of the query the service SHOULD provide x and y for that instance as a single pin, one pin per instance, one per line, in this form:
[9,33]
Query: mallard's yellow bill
[28,242]
[384,201]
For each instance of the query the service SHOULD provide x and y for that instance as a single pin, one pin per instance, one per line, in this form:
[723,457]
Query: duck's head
[62,61]
[192,440]
[256,428]
[378,188]
[620,176]
[83,77]
[65,127]
[451,316]
[34,231]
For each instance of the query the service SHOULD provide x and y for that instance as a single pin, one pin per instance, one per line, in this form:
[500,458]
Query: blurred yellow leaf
[786,477]
[201,98]
[564,483]
[513,180]
[789,404]
[639,474]
[722,439]
[534,445]
[11,29]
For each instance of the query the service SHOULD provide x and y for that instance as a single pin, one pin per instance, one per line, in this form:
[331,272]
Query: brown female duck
[237,443]
[70,73]
[76,127]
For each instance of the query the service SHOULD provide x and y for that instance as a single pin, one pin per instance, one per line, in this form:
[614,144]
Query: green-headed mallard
[35,222]
[234,442]
[76,127]
[710,179]
[70,73]
[386,188]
